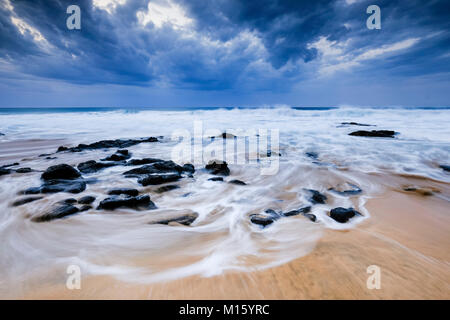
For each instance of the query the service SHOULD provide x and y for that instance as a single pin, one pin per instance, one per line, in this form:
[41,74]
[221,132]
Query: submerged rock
[422,191]
[61,171]
[139,202]
[185,219]
[55,186]
[24,170]
[218,167]
[10,165]
[140,162]
[312,155]
[57,213]
[350,192]
[374,133]
[92,166]
[356,124]
[127,191]
[155,179]
[85,208]
[238,182]
[303,211]
[86,200]
[445,167]
[106,144]
[25,201]
[342,215]
[167,188]
[317,197]
[215,179]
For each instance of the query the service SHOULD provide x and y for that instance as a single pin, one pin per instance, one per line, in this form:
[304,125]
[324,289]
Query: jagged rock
[86,200]
[186,219]
[127,191]
[155,179]
[350,192]
[217,167]
[317,197]
[238,182]
[215,179]
[167,188]
[139,202]
[25,200]
[106,144]
[342,215]
[57,213]
[61,171]
[374,133]
[92,166]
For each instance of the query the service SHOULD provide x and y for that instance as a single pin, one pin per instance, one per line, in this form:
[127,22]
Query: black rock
[445,167]
[10,165]
[215,179]
[105,144]
[155,179]
[139,202]
[85,208]
[25,200]
[342,215]
[69,201]
[2,134]
[127,191]
[312,155]
[156,167]
[140,162]
[167,188]
[374,133]
[58,213]
[86,200]
[23,170]
[51,158]
[303,210]
[317,197]
[44,155]
[351,192]
[120,155]
[92,166]
[355,124]
[261,220]
[186,219]
[4,171]
[61,171]
[54,186]
[217,167]
[188,168]
[238,182]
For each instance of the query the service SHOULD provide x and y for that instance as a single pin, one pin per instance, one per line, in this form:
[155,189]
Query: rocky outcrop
[155,179]
[120,155]
[106,144]
[60,171]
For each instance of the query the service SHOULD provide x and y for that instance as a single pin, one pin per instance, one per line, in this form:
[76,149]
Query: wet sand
[407,236]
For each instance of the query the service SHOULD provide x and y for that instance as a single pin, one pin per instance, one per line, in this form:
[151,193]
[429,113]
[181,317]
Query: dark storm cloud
[114,48]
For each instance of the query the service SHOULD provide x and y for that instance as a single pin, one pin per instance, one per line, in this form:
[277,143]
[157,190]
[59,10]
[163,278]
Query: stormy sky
[199,53]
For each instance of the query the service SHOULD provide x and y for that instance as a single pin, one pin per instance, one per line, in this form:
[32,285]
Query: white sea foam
[124,245]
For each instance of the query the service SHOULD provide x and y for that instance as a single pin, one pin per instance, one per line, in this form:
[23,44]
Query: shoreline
[406,236]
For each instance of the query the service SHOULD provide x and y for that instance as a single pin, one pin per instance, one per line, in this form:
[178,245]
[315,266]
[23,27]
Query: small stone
[342,215]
